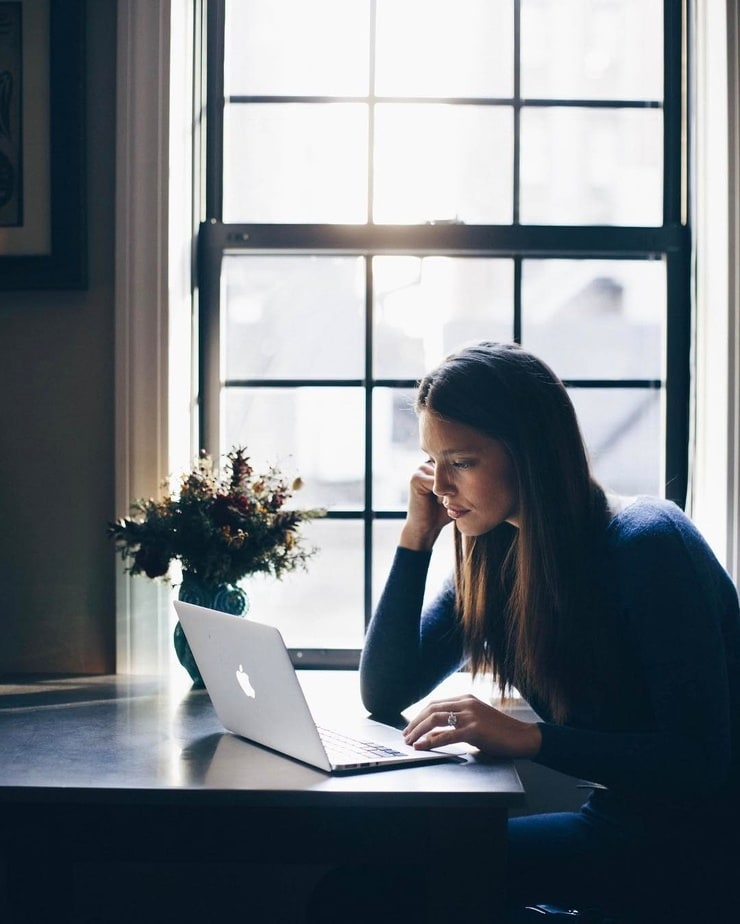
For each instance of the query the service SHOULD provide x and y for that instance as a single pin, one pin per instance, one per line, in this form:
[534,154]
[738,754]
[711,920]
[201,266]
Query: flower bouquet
[220,528]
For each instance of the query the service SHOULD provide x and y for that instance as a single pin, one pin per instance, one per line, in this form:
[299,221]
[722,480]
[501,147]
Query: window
[388,179]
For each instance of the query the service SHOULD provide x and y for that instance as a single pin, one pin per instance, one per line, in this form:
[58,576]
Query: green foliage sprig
[220,529]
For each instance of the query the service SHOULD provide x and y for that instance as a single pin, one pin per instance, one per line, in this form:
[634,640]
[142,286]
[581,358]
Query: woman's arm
[407,652]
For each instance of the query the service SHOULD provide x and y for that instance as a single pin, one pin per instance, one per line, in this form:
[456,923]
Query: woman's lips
[456,512]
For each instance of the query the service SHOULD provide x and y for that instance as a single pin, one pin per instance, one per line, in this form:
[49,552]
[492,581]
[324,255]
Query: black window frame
[671,241]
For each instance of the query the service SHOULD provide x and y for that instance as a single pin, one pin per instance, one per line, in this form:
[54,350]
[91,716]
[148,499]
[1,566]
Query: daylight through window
[389,179]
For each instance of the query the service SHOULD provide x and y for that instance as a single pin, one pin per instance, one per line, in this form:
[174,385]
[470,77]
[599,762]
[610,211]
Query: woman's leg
[575,860]
[586,860]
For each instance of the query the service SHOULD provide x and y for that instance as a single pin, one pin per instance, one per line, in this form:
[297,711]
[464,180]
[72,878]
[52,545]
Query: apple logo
[243,680]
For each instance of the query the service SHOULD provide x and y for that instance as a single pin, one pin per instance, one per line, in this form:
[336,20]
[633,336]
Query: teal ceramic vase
[224,597]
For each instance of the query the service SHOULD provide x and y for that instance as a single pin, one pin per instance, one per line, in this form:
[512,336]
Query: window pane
[596,318]
[385,541]
[322,607]
[437,48]
[591,166]
[295,162]
[293,317]
[396,451]
[317,433]
[290,47]
[426,307]
[443,163]
[578,49]
[623,431]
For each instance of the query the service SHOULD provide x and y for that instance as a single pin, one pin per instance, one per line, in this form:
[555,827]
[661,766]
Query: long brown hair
[526,596]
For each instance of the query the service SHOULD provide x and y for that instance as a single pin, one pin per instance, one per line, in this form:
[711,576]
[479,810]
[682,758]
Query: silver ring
[452,719]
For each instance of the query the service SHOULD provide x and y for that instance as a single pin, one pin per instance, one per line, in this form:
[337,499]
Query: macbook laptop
[256,694]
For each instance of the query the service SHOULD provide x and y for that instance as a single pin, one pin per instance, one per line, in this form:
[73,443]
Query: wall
[57,571]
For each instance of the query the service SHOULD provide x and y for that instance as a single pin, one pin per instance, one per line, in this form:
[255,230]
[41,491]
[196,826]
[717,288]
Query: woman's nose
[442,483]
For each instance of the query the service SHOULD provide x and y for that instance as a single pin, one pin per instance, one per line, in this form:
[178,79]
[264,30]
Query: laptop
[256,694]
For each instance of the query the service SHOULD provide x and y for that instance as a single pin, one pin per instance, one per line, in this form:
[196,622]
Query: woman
[610,615]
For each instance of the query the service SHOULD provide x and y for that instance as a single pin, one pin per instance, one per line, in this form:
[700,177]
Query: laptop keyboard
[342,748]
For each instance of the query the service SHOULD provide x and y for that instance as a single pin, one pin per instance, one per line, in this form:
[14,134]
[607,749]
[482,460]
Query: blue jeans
[589,860]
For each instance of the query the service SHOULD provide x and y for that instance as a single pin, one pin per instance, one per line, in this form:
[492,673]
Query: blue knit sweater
[667,741]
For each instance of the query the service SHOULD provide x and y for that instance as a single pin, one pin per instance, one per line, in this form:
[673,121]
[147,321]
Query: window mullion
[215,80]
[673,128]
[516,178]
[368,464]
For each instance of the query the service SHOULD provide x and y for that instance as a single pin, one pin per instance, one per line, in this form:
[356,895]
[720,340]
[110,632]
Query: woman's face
[474,475]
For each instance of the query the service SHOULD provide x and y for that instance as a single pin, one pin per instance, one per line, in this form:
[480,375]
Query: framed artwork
[43,228]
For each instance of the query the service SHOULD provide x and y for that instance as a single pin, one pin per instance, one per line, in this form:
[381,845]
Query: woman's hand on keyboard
[468,719]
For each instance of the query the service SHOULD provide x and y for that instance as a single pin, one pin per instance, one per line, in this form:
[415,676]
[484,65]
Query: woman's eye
[463,465]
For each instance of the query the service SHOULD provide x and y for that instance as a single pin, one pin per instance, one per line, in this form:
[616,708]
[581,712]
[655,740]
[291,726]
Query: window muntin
[328,291]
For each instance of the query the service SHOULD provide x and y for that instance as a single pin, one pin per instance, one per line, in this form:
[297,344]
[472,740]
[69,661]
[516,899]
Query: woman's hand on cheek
[468,719]
[425,517]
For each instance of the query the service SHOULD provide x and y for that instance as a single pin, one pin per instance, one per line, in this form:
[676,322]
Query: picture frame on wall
[43,227]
